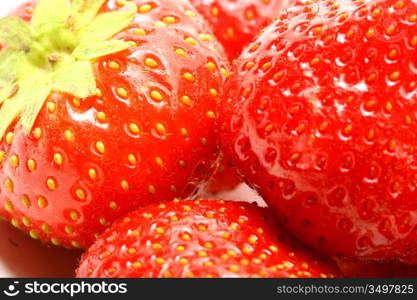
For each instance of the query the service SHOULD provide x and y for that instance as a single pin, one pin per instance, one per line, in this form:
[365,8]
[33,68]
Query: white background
[20,256]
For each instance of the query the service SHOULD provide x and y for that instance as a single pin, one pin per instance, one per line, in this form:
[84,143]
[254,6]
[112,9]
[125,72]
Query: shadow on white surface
[21,256]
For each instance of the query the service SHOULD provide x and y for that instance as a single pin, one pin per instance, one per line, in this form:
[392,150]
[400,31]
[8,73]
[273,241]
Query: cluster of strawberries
[111,111]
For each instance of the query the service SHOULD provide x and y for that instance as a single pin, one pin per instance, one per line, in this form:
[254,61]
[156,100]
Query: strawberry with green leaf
[97,99]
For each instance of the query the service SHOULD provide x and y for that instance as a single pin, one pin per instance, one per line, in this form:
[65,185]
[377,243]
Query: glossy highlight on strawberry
[320,117]
[147,133]
[202,239]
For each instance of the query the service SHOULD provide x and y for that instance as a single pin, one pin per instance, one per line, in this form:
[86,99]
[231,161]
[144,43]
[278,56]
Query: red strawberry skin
[199,238]
[89,161]
[320,117]
[236,23]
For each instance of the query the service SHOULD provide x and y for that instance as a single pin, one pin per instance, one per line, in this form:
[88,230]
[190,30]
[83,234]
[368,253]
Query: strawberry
[199,238]
[225,178]
[105,106]
[236,22]
[321,118]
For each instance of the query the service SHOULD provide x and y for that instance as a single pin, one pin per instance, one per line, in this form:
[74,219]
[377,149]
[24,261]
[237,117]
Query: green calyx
[54,53]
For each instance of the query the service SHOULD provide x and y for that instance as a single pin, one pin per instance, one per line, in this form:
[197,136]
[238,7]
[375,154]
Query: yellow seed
[132,159]
[169,20]
[156,246]
[186,237]
[157,96]
[103,221]
[160,24]
[180,248]
[191,14]
[80,194]
[159,161]
[2,156]
[114,65]
[184,132]
[100,147]
[42,202]
[253,239]
[140,32]
[394,75]
[31,165]
[55,241]
[190,41]
[134,128]
[161,129]
[37,133]
[76,102]
[76,244]
[9,138]
[136,265]
[68,135]
[160,261]
[101,117]
[51,106]
[58,159]
[46,228]
[51,183]
[74,216]
[131,251]
[186,100]
[14,161]
[92,173]
[8,184]
[151,63]
[145,8]
[180,52]
[26,221]
[34,234]
[189,77]
[15,223]
[151,189]
[121,92]
[273,248]
[8,206]
[68,229]
[183,261]
[211,115]
[234,269]
[125,185]
[113,205]
[215,11]
[26,201]
[213,92]
[160,230]
[211,66]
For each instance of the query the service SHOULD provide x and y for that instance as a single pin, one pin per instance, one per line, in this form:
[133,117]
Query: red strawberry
[225,178]
[387,269]
[237,22]
[321,118]
[199,239]
[103,113]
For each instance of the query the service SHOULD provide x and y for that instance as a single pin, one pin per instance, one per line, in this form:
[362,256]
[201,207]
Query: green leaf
[10,63]
[15,33]
[76,79]
[95,50]
[51,14]
[86,10]
[106,25]
[27,102]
